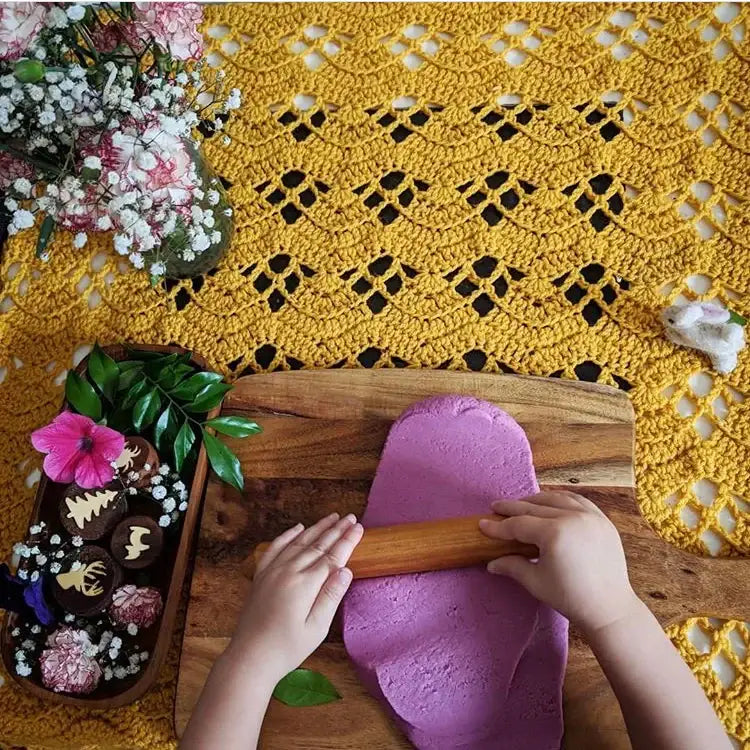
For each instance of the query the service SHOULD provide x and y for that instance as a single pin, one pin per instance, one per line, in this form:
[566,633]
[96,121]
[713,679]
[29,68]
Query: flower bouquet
[101,109]
[92,592]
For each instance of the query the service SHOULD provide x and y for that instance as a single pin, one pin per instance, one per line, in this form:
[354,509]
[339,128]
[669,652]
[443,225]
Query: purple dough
[464,659]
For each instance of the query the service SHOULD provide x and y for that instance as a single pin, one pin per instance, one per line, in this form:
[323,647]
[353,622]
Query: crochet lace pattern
[501,187]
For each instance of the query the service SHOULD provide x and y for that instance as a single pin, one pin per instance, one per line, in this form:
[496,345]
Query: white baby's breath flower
[164,521]
[41,559]
[183,506]
[146,160]
[75,565]
[24,670]
[164,469]
[132,629]
[35,576]
[157,479]
[11,204]
[179,486]
[40,53]
[22,186]
[20,655]
[226,140]
[213,197]
[75,12]
[159,492]
[23,574]
[69,617]
[169,505]
[120,673]
[104,223]
[235,100]
[56,18]
[92,162]
[80,239]
[66,84]
[122,244]
[133,490]
[46,117]
[116,642]
[113,653]
[77,541]
[136,259]
[55,539]
[67,104]
[78,72]
[108,673]
[143,655]
[36,93]
[8,81]
[55,568]
[60,554]
[23,219]
[36,629]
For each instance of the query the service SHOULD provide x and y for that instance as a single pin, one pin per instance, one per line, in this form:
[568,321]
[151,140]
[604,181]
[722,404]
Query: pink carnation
[11,169]
[19,25]
[138,606]
[173,26]
[78,450]
[66,667]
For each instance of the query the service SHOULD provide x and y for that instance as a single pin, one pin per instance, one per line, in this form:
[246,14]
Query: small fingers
[329,598]
[341,550]
[527,529]
[524,508]
[277,545]
[307,537]
[322,546]
[516,567]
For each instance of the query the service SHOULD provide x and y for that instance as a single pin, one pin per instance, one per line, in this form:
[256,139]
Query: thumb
[330,597]
[518,568]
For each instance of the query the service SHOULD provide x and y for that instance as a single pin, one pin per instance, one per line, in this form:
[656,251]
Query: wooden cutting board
[323,433]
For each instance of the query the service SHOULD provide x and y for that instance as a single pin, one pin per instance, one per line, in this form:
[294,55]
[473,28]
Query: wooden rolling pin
[423,546]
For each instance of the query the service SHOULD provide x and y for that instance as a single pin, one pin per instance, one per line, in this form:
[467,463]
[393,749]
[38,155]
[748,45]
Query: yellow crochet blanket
[516,187]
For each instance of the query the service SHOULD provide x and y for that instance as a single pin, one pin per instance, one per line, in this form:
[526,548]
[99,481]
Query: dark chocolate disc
[136,542]
[91,514]
[138,462]
[85,584]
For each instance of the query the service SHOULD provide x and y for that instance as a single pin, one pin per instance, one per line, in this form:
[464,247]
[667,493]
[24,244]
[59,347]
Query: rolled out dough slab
[462,658]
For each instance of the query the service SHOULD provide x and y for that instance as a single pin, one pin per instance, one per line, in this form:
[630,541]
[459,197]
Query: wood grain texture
[323,436]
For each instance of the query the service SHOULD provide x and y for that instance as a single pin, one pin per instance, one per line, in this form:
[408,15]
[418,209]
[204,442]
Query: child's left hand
[298,586]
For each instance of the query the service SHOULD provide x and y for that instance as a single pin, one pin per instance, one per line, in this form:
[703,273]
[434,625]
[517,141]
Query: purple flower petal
[33,595]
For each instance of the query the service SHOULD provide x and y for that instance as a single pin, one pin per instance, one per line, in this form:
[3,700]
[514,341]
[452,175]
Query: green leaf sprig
[165,397]
[304,687]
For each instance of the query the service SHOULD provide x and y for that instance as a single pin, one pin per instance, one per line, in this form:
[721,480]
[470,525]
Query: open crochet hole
[515,57]
[700,383]
[724,670]
[686,406]
[32,478]
[704,427]
[230,46]
[218,31]
[706,491]
[727,520]
[690,517]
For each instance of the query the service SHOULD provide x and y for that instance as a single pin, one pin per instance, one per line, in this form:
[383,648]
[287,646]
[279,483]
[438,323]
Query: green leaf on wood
[182,444]
[145,409]
[304,687]
[238,427]
[223,461]
[82,396]
[211,396]
[165,429]
[45,235]
[104,372]
[190,388]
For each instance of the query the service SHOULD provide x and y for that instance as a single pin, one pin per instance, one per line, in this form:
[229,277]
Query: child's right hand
[581,569]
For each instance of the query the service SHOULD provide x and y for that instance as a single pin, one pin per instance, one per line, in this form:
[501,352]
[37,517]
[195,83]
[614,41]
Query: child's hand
[581,570]
[298,585]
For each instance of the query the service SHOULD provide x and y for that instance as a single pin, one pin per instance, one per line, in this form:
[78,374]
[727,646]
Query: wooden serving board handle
[424,546]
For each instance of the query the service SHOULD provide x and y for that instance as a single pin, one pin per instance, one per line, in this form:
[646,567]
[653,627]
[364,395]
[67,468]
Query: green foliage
[165,398]
[304,687]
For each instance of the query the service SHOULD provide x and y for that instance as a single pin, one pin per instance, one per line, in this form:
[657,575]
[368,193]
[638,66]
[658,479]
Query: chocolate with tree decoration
[92,513]
[426,545]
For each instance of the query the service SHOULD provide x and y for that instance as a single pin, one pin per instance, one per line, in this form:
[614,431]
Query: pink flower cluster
[20,23]
[68,665]
[135,606]
[174,26]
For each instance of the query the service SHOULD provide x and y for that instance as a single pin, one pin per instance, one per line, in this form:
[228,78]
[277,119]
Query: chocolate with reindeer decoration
[91,514]
[136,542]
[137,463]
[86,582]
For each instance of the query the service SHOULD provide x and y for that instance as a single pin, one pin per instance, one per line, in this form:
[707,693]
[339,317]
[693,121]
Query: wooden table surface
[323,432]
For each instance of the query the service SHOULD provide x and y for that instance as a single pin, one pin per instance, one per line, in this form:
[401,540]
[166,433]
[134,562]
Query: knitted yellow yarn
[500,187]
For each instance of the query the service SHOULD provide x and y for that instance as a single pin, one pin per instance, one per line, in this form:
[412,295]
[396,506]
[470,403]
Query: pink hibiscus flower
[78,450]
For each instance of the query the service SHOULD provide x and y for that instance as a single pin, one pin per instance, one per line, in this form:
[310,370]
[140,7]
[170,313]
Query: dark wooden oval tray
[168,575]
